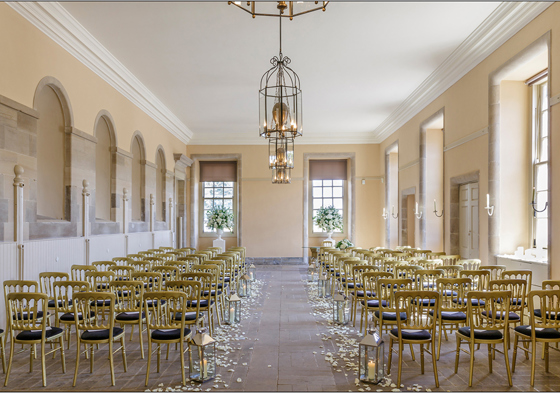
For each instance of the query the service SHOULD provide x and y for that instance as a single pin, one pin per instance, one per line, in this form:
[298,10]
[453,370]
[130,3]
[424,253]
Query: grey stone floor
[278,347]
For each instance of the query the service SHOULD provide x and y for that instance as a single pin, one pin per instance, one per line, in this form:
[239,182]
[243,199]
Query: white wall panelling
[106,247]
[53,255]
[163,239]
[140,241]
[9,271]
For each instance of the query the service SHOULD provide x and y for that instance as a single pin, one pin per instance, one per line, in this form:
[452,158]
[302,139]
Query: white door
[468,220]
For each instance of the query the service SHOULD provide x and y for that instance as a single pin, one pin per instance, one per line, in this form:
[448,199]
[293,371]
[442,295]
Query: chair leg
[183,362]
[62,356]
[546,356]
[140,339]
[149,360]
[400,362]
[2,344]
[390,356]
[123,350]
[471,368]
[10,361]
[412,351]
[513,360]
[158,355]
[92,354]
[78,346]
[457,353]
[490,358]
[434,363]
[421,358]
[439,340]
[111,363]
[506,355]
[31,357]
[533,360]
[43,368]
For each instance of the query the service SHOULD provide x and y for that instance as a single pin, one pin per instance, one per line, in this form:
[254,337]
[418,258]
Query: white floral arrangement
[328,219]
[220,217]
[344,244]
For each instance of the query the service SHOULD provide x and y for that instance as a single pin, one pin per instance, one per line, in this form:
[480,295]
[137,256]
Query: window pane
[338,182]
[542,177]
[208,192]
[208,184]
[218,184]
[543,150]
[218,192]
[341,213]
[228,203]
[316,228]
[327,183]
[327,192]
[218,202]
[327,202]
[544,124]
[228,184]
[317,203]
[228,192]
[544,96]
[317,183]
[207,204]
[314,213]
[542,233]
[337,202]
[317,192]
[337,192]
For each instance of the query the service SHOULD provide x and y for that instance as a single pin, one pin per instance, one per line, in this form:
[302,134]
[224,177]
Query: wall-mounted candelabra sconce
[435,210]
[393,213]
[417,213]
[489,209]
[384,215]
[534,204]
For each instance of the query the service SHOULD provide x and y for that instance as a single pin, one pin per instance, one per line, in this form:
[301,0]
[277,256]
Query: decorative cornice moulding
[506,20]
[58,24]
[229,138]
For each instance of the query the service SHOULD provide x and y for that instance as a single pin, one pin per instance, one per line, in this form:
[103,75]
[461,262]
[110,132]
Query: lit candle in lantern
[251,275]
[341,314]
[371,369]
[231,315]
[204,369]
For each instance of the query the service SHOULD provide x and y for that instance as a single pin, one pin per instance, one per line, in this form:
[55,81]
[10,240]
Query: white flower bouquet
[344,244]
[220,217]
[328,219]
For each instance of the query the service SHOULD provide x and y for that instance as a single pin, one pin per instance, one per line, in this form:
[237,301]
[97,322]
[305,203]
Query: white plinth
[220,243]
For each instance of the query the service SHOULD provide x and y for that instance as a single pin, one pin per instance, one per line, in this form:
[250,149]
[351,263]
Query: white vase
[330,236]
[219,232]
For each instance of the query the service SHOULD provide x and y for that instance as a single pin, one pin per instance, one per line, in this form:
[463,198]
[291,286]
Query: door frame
[454,223]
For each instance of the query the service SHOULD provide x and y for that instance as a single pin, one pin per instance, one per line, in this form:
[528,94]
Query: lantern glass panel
[233,310]
[202,361]
[244,289]
[252,272]
[371,350]
[341,309]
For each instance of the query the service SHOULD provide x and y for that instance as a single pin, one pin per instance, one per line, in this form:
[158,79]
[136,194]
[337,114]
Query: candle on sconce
[487,200]
[435,205]
[393,210]
[416,207]
[533,200]
[384,212]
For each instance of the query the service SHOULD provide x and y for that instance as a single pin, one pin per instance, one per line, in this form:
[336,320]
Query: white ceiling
[357,61]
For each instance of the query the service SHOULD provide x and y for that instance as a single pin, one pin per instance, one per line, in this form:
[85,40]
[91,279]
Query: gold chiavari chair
[449,260]
[523,274]
[182,266]
[413,260]
[78,272]
[27,286]
[417,327]
[470,264]
[480,278]
[103,266]
[435,255]
[430,264]
[495,271]
[122,272]
[545,329]
[189,250]
[551,284]
[421,253]
[191,260]
[156,251]
[481,330]
[426,279]
[46,281]
[163,328]
[230,275]
[135,257]
[207,303]
[344,274]
[452,310]
[140,266]
[406,271]
[193,289]
[201,257]
[97,330]
[23,316]
[327,243]
[451,271]
[390,265]
[242,250]
[128,306]
[209,254]
[146,254]
[3,349]
[371,298]
[168,257]
[215,292]
[400,256]
[380,250]
[64,308]
[99,281]
[122,261]
[176,254]
[518,302]
[155,261]
[167,272]
[215,251]
[166,249]
[386,315]
[153,281]
[357,289]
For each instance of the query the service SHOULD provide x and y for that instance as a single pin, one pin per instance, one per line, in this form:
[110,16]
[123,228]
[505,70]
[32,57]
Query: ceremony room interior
[170,220]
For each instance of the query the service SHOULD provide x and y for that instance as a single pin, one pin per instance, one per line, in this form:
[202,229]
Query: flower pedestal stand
[219,242]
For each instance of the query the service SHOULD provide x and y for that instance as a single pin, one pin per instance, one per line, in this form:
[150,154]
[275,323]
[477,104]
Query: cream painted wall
[466,112]
[32,56]
[408,177]
[514,167]
[103,171]
[434,189]
[393,184]
[272,215]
